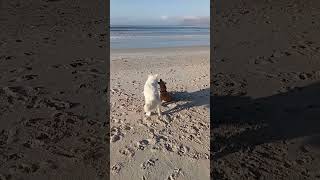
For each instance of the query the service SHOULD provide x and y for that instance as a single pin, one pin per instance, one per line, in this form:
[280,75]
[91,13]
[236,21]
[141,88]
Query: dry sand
[52,90]
[266,90]
[176,147]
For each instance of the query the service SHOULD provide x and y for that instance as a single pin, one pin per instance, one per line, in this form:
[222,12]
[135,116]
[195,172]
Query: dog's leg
[147,110]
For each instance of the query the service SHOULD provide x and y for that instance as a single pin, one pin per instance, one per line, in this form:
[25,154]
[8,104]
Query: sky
[159,12]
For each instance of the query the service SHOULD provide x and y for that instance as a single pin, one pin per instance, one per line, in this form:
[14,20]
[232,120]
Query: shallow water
[124,37]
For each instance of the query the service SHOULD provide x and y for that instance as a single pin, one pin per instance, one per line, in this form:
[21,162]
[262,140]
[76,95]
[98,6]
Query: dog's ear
[160,80]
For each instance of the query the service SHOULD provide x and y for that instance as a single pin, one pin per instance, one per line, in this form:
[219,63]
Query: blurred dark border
[212,48]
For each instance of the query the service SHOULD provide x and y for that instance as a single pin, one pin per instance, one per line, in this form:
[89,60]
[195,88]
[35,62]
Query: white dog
[151,95]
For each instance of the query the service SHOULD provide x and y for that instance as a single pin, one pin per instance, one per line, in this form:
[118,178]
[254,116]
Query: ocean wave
[115,37]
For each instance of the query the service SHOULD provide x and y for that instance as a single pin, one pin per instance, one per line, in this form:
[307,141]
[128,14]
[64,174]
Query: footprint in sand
[127,152]
[29,77]
[116,134]
[170,147]
[304,76]
[160,138]
[116,138]
[142,144]
[115,169]
[183,150]
[175,174]
[25,168]
[127,127]
[149,163]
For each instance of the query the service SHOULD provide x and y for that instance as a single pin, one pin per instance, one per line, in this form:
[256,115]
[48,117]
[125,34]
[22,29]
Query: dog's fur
[164,95]
[151,95]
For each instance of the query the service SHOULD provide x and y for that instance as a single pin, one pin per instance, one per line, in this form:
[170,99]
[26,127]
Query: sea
[128,37]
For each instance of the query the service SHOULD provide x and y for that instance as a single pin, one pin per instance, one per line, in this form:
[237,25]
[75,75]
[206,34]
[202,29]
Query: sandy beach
[175,147]
[53,90]
[266,90]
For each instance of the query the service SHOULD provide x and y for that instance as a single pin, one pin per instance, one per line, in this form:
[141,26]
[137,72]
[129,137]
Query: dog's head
[161,82]
[153,78]
[162,85]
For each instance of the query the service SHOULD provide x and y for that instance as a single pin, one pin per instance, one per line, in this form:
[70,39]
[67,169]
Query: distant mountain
[196,21]
[182,20]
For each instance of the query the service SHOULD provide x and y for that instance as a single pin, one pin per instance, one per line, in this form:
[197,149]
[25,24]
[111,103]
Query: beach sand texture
[53,90]
[266,90]
[176,147]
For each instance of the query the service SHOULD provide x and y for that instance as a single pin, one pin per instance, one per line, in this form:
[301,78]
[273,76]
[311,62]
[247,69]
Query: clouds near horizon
[163,20]
[164,12]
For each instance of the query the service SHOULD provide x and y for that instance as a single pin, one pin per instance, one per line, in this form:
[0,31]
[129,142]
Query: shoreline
[159,50]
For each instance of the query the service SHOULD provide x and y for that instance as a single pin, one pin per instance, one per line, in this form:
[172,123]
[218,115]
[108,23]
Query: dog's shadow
[186,100]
